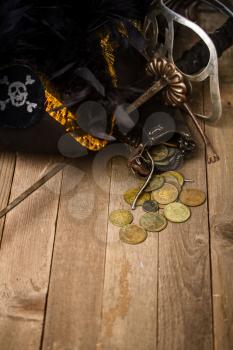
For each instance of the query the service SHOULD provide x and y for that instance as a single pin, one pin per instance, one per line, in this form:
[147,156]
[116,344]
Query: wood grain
[7,167]
[221,201]
[68,283]
[184,302]
[221,219]
[184,294]
[75,293]
[26,257]
[50,174]
[129,316]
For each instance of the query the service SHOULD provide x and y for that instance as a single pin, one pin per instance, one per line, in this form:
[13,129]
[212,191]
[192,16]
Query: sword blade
[153,90]
[51,173]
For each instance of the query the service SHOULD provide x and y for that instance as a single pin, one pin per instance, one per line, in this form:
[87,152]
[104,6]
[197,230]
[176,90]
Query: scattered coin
[173,181]
[121,217]
[131,194]
[132,234]
[161,205]
[159,152]
[178,176]
[153,222]
[192,197]
[156,182]
[150,206]
[165,195]
[177,212]
[166,161]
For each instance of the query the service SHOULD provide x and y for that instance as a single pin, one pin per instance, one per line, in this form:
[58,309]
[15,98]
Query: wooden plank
[221,201]
[25,257]
[7,167]
[184,294]
[75,293]
[129,317]
[220,209]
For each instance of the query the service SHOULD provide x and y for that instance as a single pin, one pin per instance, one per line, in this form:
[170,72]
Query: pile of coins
[164,200]
[162,155]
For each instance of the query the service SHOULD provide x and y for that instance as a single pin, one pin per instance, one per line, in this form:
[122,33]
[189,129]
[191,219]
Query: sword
[49,175]
[154,89]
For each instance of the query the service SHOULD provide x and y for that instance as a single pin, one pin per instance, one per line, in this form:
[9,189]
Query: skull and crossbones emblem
[18,94]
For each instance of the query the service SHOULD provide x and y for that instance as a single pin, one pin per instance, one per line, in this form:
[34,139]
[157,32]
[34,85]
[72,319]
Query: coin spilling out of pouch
[164,194]
[173,181]
[176,175]
[156,182]
[159,153]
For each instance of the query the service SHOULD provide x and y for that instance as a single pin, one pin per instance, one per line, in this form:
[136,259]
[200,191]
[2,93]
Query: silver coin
[150,206]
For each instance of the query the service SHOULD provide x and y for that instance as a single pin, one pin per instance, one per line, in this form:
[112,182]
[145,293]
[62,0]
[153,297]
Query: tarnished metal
[147,180]
[49,175]
[152,91]
[210,71]
[175,94]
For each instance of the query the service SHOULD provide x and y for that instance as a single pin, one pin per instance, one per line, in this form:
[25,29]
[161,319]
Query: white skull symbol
[18,93]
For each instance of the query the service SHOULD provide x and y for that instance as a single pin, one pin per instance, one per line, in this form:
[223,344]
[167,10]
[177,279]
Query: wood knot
[224,231]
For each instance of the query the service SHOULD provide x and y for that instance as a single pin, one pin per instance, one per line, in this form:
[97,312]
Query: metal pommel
[175,93]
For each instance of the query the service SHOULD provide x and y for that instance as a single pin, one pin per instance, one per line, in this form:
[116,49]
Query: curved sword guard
[210,71]
[175,94]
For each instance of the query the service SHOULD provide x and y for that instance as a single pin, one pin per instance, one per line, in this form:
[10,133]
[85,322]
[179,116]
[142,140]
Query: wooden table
[68,283]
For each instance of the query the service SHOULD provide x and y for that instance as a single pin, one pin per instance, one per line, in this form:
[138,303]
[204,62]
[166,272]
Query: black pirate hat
[22,97]
[57,55]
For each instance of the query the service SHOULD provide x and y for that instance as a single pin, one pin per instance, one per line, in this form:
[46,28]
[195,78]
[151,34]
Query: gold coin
[121,217]
[176,175]
[133,234]
[170,178]
[156,182]
[173,181]
[131,194]
[159,152]
[192,197]
[166,161]
[153,222]
[165,195]
[177,212]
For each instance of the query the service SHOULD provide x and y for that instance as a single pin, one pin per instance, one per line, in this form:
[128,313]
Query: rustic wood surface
[68,283]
